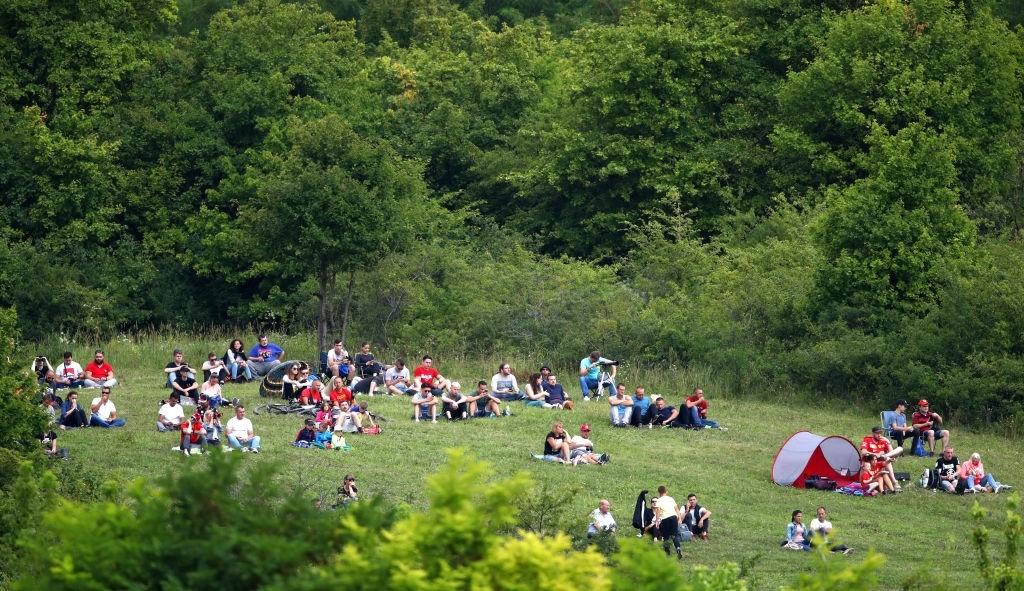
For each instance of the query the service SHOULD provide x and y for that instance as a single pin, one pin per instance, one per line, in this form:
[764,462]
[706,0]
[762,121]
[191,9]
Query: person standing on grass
[240,433]
[104,413]
[822,527]
[666,511]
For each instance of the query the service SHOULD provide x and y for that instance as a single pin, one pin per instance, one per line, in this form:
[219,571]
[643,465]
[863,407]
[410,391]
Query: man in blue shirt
[264,356]
[590,373]
[640,405]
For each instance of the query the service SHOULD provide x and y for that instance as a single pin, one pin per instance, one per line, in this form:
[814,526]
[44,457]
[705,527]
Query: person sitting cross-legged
[104,413]
[482,403]
[240,433]
[170,416]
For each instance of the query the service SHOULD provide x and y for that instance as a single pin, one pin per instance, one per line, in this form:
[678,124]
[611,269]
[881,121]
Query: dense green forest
[813,197]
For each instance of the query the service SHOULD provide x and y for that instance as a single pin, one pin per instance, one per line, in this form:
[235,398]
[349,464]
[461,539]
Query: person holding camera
[590,373]
[43,371]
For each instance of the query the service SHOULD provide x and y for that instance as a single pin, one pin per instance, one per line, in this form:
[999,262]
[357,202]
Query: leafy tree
[23,420]
[652,111]
[884,239]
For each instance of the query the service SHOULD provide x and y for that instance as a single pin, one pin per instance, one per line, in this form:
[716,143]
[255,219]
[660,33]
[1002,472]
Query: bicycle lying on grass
[285,408]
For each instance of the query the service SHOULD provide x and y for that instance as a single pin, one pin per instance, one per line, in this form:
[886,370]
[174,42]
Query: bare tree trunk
[348,303]
[321,321]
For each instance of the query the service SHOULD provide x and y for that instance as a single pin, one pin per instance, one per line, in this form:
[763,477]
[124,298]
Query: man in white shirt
[170,416]
[601,519]
[104,413]
[69,374]
[240,433]
[397,379]
[821,526]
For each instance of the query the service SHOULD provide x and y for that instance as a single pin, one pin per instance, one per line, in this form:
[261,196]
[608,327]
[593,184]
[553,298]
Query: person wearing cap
[927,424]
[170,416]
[581,449]
[307,434]
[882,453]
[193,434]
[621,407]
[899,427]
[544,371]
[424,404]
[184,385]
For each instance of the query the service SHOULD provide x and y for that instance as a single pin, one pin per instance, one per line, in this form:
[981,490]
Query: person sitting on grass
[581,449]
[695,416]
[662,414]
[99,373]
[424,404]
[312,394]
[361,416]
[483,403]
[455,403]
[556,395]
[307,435]
[879,447]
[193,434]
[240,432]
[601,519]
[176,364]
[170,415]
[397,380]
[556,444]
[214,366]
[238,362]
[211,390]
[535,394]
[323,436]
[291,383]
[976,479]
[339,392]
[104,413]
[211,423]
[185,385]
[821,527]
[874,478]
[324,415]
[621,407]
[696,518]
[796,533]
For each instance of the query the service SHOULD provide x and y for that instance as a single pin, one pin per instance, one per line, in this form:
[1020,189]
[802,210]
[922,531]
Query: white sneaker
[586,398]
[434,421]
[188,453]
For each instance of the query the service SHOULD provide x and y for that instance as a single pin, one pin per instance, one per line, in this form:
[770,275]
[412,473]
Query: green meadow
[925,537]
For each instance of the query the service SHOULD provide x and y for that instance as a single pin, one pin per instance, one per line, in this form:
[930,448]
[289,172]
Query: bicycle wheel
[261,409]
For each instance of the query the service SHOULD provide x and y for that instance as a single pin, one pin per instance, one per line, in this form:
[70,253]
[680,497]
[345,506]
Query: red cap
[584,427]
[922,402]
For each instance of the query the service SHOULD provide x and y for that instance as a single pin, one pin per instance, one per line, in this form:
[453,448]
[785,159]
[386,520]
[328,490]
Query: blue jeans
[253,443]
[588,384]
[96,421]
[234,371]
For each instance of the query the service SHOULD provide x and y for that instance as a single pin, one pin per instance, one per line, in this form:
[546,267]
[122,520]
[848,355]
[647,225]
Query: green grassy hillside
[921,533]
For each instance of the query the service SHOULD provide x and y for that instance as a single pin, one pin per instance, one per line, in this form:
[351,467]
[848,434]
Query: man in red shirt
[695,415]
[927,426]
[879,447]
[427,374]
[99,373]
